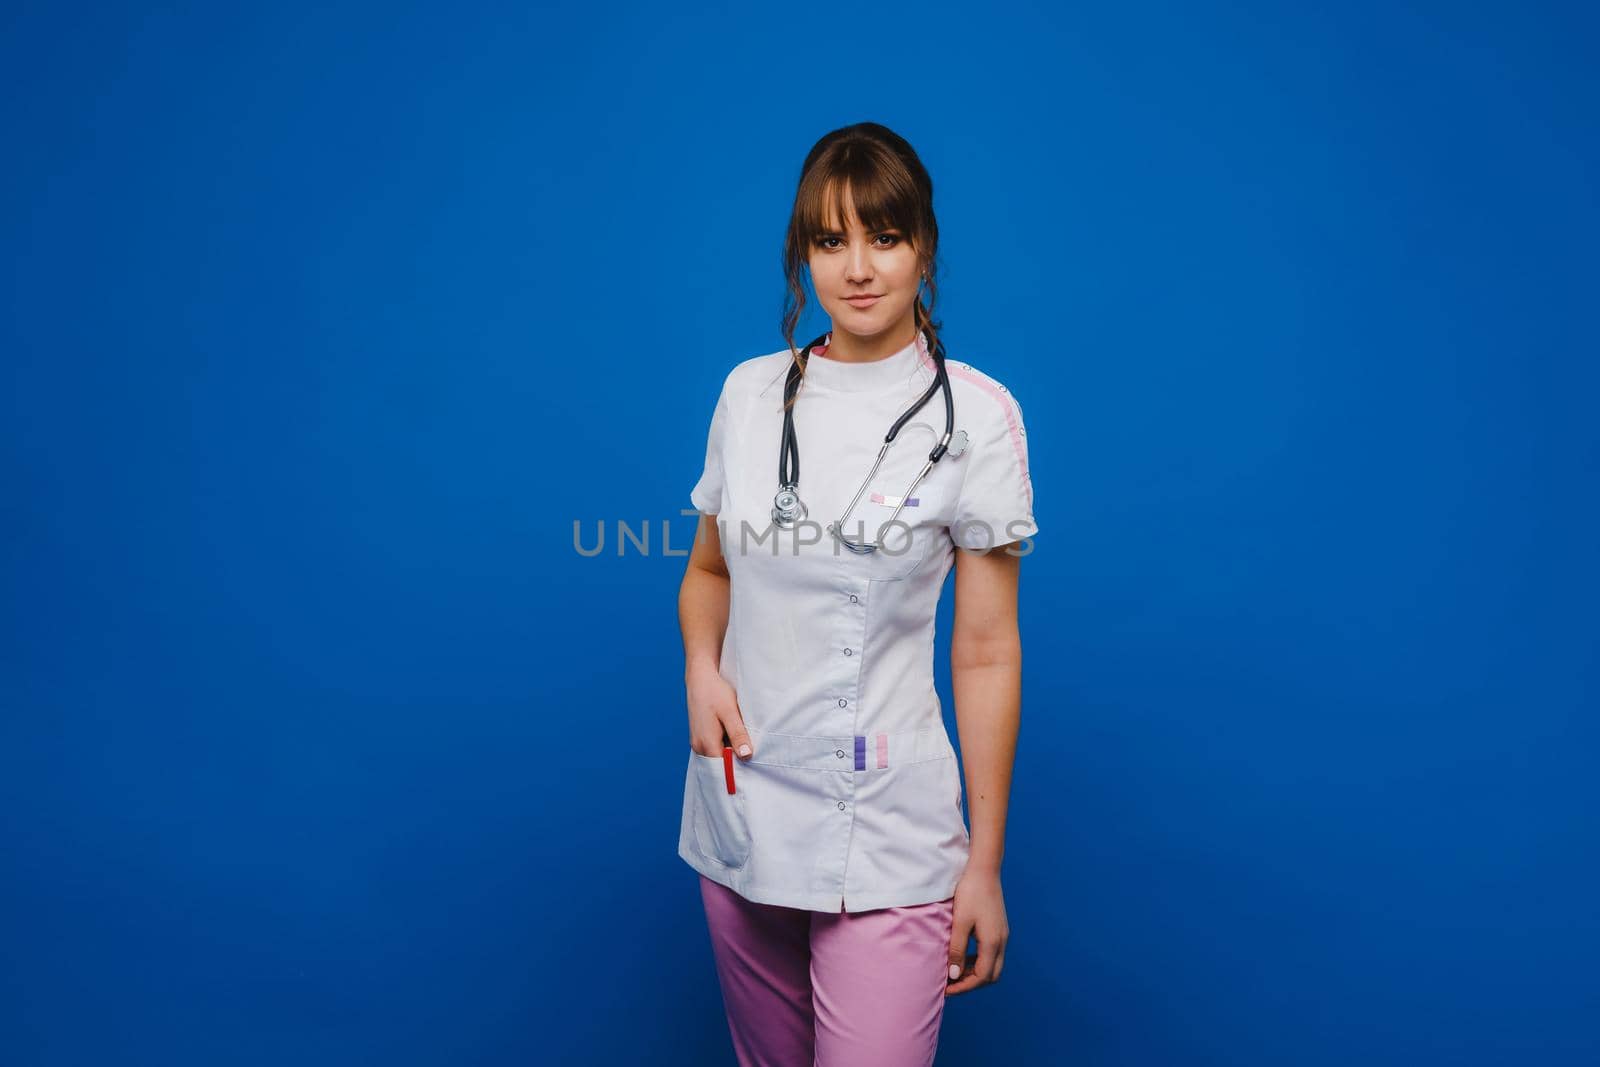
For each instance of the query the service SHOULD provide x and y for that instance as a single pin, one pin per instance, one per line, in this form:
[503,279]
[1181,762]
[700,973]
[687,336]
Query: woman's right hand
[714,713]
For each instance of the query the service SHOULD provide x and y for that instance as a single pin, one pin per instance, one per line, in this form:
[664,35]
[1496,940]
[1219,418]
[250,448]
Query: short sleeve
[995,506]
[707,492]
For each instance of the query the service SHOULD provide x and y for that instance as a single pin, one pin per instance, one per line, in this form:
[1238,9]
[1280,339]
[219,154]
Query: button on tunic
[852,800]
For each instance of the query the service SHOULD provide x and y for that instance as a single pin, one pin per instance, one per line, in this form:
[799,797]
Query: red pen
[727,766]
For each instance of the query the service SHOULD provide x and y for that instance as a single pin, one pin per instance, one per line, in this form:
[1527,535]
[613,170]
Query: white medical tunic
[852,800]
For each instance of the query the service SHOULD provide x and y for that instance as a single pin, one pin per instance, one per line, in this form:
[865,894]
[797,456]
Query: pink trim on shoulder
[1013,428]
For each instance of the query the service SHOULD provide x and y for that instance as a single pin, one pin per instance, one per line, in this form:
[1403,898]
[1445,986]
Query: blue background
[322,326]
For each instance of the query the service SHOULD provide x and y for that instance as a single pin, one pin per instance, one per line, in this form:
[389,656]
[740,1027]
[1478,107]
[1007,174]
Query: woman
[839,879]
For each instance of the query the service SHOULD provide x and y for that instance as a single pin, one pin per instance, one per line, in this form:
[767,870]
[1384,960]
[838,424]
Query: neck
[847,347]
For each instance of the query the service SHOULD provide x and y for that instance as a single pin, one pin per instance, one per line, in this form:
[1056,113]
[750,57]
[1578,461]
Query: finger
[738,737]
[986,957]
[967,982]
[959,933]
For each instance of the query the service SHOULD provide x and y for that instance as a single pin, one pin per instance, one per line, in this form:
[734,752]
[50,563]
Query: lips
[862,301]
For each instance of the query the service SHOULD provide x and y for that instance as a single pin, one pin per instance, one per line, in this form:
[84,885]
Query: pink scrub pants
[810,989]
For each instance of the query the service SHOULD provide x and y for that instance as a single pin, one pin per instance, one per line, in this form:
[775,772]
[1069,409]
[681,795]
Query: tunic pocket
[721,824]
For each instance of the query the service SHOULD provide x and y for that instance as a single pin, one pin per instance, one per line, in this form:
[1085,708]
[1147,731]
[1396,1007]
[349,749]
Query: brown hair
[889,189]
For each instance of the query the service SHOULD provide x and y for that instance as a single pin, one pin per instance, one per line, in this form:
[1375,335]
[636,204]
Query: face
[849,264]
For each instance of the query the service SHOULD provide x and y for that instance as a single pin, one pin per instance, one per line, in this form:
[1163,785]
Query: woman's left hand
[980,911]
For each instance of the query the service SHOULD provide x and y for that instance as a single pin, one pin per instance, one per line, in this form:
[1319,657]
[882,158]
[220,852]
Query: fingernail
[744,750]
[955,972]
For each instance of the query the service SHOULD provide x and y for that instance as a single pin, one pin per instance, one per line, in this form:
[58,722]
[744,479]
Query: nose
[859,266]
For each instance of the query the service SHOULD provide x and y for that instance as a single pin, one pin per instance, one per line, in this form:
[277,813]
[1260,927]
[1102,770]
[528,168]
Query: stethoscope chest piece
[958,444]
[787,508]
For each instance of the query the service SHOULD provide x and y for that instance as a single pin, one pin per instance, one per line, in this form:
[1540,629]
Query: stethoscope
[787,509]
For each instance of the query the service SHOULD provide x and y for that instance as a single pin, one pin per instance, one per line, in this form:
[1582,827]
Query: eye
[822,242]
[894,239]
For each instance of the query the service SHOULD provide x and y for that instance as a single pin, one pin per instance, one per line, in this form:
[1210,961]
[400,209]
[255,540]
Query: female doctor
[822,801]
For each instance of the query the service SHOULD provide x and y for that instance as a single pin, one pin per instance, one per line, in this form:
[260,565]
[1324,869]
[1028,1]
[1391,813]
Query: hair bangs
[878,201]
